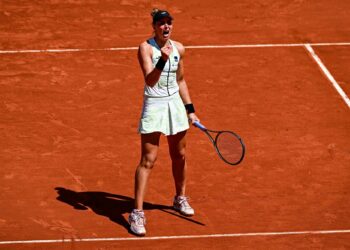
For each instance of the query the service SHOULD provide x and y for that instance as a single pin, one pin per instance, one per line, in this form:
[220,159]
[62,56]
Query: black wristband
[160,64]
[190,108]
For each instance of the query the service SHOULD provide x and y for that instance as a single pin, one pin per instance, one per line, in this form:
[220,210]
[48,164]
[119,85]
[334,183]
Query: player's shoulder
[179,47]
[145,46]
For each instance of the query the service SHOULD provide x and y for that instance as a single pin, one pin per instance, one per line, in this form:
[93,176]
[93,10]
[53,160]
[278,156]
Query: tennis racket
[228,145]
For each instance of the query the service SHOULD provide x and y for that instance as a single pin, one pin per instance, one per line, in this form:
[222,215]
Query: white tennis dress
[163,110]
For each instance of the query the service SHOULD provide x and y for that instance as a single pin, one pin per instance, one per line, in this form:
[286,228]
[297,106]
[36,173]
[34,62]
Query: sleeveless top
[167,83]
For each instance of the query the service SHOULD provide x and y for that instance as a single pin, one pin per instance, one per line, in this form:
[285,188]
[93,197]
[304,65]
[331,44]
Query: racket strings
[229,147]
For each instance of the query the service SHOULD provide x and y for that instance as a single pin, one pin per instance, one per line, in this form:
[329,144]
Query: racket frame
[214,141]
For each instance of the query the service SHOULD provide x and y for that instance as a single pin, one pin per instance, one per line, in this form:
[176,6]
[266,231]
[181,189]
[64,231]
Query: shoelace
[139,218]
[184,201]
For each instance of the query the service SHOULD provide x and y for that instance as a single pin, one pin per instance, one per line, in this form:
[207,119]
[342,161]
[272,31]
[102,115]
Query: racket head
[230,147]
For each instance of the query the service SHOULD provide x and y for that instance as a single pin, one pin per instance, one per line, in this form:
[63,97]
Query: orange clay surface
[68,123]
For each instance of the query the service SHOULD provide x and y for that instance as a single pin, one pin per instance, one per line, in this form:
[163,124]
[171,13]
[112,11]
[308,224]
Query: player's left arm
[183,88]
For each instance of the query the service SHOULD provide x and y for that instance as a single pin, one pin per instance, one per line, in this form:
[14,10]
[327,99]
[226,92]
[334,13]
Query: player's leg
[149,151]
[177,149]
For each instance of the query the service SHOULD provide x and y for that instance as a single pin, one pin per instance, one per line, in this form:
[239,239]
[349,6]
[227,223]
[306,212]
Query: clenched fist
[166,51]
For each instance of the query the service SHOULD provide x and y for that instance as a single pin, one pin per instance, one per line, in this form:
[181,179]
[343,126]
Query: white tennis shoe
[137,221]
[182,206]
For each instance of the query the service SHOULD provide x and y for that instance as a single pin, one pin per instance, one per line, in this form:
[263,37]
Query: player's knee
[178,154]
[148,162]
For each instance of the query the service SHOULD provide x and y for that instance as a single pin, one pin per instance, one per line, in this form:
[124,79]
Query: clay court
[275,72]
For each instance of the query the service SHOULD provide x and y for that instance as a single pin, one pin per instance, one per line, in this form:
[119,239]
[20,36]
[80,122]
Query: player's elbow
[150,82]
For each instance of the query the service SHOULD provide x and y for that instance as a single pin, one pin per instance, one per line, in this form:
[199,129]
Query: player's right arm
[150,73]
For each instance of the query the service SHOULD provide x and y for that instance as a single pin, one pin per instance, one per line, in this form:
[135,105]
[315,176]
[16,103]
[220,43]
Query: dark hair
[159,14]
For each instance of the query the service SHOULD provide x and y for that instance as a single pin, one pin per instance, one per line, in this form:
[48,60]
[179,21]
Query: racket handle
[199,125]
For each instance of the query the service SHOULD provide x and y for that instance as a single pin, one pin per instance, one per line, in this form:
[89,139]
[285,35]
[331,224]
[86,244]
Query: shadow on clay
[113,206]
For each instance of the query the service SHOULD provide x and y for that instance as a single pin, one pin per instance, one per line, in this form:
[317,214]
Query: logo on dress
[176,58]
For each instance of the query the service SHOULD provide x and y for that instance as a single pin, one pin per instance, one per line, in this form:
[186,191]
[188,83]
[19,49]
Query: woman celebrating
[167,108]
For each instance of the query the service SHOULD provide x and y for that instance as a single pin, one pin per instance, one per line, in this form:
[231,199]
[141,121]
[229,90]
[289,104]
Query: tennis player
[167,109]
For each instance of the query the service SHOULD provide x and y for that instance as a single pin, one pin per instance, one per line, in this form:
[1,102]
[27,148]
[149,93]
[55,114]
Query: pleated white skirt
[163,114]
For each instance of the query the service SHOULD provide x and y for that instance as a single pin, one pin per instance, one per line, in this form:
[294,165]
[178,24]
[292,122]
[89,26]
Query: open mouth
[166,33]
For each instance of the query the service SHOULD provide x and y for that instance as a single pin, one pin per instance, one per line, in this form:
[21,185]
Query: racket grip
[199,125]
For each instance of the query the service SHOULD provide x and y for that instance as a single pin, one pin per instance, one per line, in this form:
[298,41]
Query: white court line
[260,234]
[188,47]
[328,74]
[263,45]
[63,50]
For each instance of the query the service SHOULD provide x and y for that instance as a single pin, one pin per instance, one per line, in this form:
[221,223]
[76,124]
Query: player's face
[163,28]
